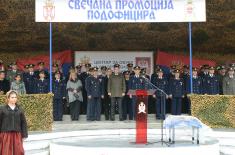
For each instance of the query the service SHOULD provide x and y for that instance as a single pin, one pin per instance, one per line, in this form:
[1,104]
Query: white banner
[120,11]
[109,58]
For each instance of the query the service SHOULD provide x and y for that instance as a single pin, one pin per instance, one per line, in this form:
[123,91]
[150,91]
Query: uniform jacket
[176,87]
[229,85]
[94,86]
[59,89]
[4,85]
[211,85]
[42,86]
[116,85]
[162,84]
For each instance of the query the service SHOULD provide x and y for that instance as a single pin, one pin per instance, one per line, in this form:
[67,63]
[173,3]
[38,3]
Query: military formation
[94,91]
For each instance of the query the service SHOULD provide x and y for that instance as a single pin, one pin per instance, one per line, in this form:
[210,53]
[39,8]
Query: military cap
[95,69]
[211,68]
[194,69]
[130,65]
[41,63]
[143,70]
[91,69]
[230,69]
[103,68]
[126,72]
[137,68]
[13,63]
[177,71]
[57,72]
[116,66]
[159,70]
[88,65]
[26,66]
[55,65]
[31,65]
[173,66]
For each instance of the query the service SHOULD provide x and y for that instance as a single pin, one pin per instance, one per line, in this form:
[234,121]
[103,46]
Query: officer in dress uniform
[197,87]
[41,67]
[221,74]
[130,69]
[83,76]
[95,91]
[116,90]
[185,76]
[229,82]
[105,74]
[13,72]
[42,84]
[211,83]
[136,82]
[59,91]
[176,92]
[30,80]
[162,83]
[126,101]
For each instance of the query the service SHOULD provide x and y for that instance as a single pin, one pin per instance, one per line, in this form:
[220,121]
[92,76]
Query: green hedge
[38,110]
[216,111]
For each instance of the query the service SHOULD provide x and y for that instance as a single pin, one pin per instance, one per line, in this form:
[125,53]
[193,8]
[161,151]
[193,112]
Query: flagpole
[50,57]
[190,57]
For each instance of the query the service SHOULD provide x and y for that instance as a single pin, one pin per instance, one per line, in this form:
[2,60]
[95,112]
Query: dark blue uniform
[95,89]
[177,90]
[83,77]
[59,91]
[161,83]
[126,103]
[136,83]
[30,81]
[211,85]
[197,85]
[106,101]
[42,86]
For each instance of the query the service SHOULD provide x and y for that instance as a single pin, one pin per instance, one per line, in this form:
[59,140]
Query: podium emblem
[142,108]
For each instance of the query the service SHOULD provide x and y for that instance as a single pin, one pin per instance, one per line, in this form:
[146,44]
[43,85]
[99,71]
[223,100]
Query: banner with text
[109,58]
[120,10]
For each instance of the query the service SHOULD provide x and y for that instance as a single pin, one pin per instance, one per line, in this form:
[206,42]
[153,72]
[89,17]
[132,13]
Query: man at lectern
[136,82]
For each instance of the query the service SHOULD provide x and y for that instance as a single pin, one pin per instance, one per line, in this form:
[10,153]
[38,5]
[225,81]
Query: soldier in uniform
[229,83]
[83,76]
[126,101]
[4,83]
[176,92]
[143,73]
[136,82]
[106,101]
[13,72]
[116,90]
[221,74]
[42,84]
[59,91]
[30,80]
[211,83]
[197,87]
[130,69]
[41,67]
[162,83]
[95,91]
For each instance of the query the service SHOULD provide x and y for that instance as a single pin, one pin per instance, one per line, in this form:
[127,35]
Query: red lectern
[141,113]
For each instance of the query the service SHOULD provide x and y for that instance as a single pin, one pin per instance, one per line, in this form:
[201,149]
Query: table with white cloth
[173,122]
